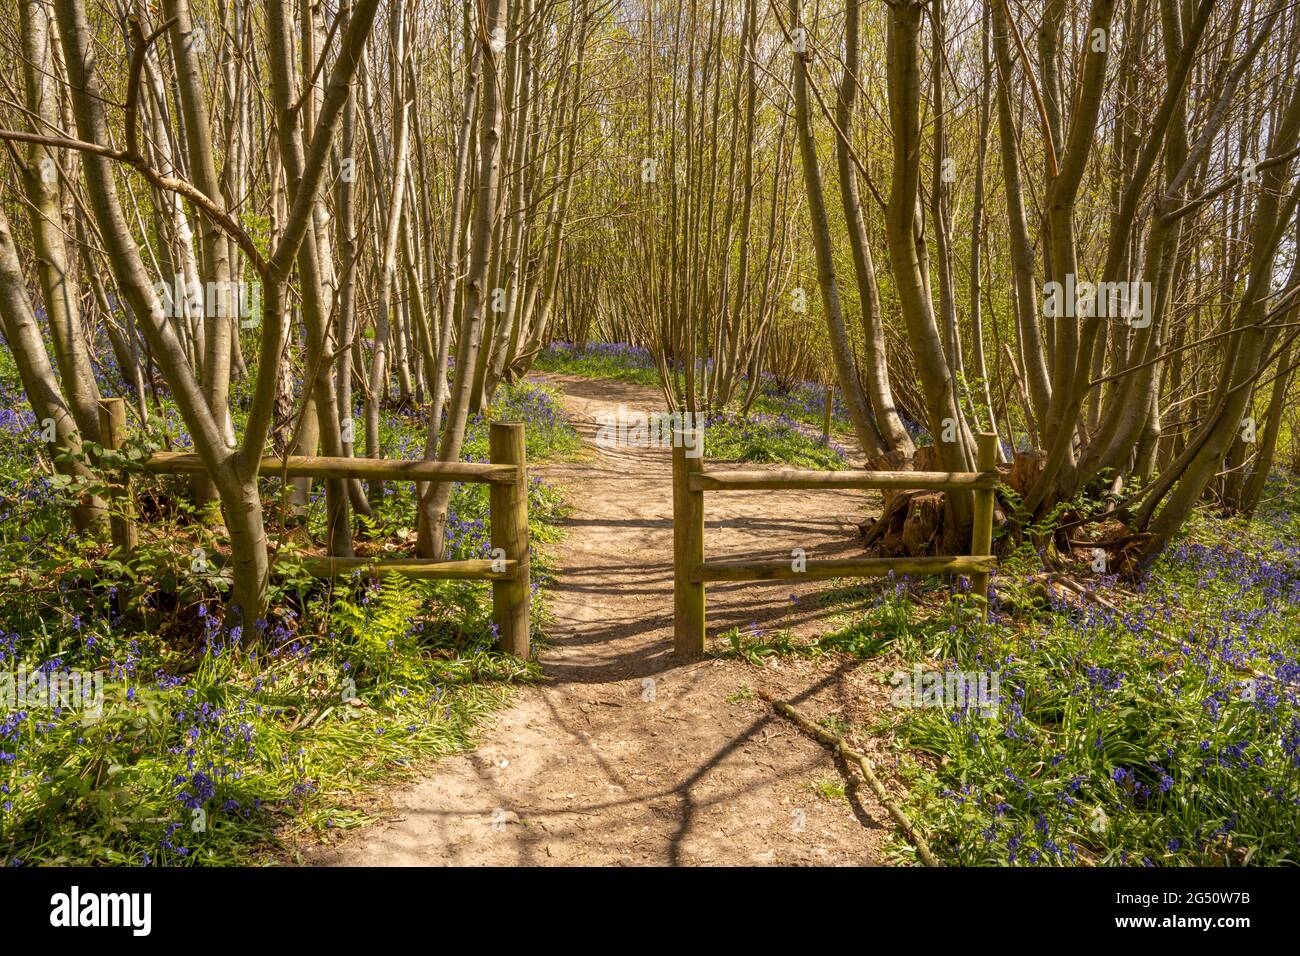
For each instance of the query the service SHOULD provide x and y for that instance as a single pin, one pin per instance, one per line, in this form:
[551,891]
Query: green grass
[769,439]
[829,788]
[1164,732]
[783,427]
[213,746]
[624,363]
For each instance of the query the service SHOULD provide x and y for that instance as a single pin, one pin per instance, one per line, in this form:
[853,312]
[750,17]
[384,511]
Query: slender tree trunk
[894,437]
[41,182]
[841,351]
[436,498]
[23,337]
[910,261]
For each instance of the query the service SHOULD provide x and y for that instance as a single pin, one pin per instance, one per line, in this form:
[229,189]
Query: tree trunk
[432,522]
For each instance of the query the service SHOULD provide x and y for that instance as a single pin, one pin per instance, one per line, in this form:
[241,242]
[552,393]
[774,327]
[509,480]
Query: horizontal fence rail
[691,571]
[840,568]
[308,466]
[472,570]
[506,475]
[788,479]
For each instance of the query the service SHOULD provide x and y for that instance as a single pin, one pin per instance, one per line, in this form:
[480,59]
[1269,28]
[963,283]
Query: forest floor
[623,754]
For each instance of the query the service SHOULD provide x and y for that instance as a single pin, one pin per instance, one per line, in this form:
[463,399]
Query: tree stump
[923,523]
[927,459]
[889,461]
[1025,470]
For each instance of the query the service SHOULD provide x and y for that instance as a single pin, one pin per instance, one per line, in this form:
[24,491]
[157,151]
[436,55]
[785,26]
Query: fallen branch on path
[837,744]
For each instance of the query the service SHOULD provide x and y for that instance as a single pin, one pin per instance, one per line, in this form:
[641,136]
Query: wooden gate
[506,473]
[691,571]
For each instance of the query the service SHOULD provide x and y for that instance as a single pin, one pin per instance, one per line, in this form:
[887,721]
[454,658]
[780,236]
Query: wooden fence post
[982,531]
[112,427]
[830,407]
[688,543]
[508,502]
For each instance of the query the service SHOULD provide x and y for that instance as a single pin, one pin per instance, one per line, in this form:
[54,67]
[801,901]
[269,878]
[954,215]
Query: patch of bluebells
[1201,668]
[619,353]
[182,737]
[762,438]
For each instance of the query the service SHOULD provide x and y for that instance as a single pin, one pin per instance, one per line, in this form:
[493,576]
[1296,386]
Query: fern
[381,624]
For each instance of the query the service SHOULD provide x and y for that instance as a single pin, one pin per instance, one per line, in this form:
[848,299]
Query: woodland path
[597,766]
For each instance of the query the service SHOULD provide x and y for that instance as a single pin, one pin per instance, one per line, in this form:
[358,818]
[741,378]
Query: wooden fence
[506,474]
[691,571]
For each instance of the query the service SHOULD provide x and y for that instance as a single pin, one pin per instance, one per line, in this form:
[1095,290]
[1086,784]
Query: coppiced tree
[1087,211]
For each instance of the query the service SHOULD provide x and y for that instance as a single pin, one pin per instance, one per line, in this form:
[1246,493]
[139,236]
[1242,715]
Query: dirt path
[625,755]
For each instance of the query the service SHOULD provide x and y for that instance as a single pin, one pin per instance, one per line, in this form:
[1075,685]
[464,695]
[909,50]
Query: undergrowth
[1157,725]
[209,744]
[783,426]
